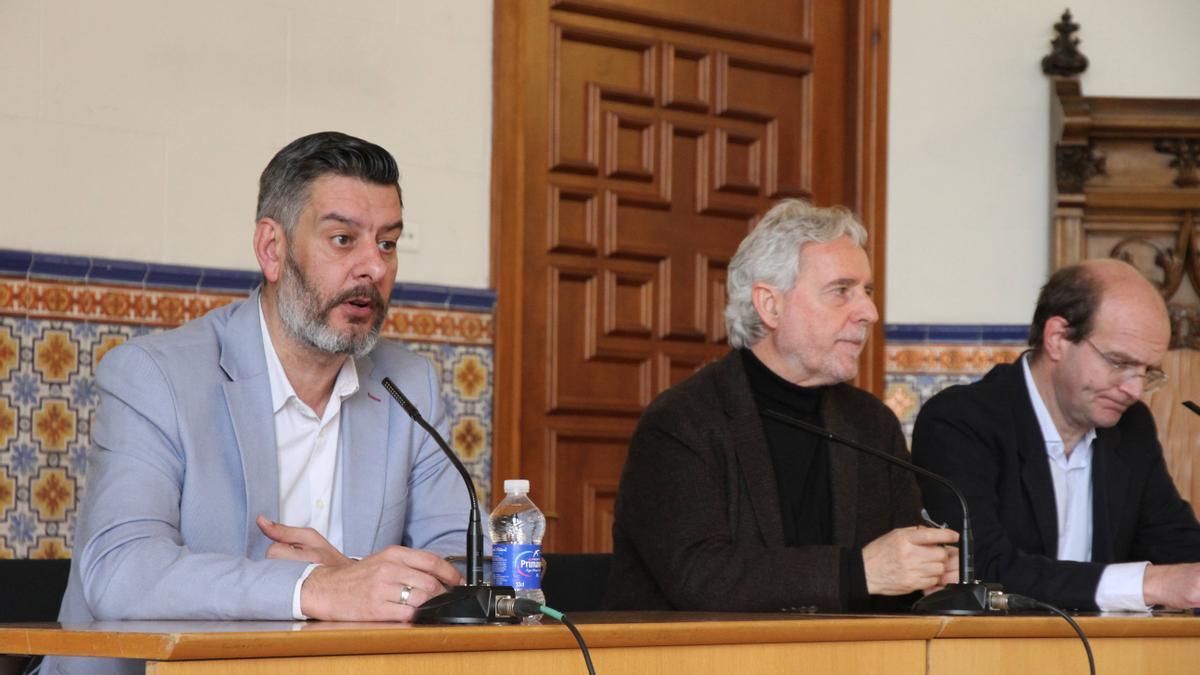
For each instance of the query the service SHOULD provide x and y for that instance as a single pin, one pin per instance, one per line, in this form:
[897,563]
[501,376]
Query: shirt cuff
[1120,588]
[296,613]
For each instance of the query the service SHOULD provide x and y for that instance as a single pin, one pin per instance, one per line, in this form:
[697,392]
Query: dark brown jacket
[698,524]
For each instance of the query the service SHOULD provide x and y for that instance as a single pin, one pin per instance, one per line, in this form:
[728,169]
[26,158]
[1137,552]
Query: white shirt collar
[1053,440]
[281,388]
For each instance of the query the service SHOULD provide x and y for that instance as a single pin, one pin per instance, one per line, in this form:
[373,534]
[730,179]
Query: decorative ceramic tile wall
[923,360]
[59,315]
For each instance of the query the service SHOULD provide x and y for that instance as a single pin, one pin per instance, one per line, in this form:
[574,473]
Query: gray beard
[302,315]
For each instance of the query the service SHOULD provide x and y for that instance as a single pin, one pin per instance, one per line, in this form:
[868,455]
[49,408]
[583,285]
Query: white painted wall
[968,156]
[136,129]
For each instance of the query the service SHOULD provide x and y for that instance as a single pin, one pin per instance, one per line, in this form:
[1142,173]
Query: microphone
[475,602]
[1192,406]
[967,597]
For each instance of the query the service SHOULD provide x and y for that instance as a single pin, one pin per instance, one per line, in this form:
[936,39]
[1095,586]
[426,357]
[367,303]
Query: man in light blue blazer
[249,465]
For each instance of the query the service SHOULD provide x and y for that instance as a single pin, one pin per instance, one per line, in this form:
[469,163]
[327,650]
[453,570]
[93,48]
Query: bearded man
[249,465]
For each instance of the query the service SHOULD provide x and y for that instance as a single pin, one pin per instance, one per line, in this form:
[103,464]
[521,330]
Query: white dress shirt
[307,446]
[1120,585]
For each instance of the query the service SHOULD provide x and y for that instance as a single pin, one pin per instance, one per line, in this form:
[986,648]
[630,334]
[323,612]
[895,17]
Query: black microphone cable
[1014,601]
[526,607]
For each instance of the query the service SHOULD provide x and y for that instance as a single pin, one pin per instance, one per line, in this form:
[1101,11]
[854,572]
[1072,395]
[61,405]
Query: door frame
[868,52]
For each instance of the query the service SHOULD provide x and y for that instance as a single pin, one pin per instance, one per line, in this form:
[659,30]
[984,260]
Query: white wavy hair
[771,254]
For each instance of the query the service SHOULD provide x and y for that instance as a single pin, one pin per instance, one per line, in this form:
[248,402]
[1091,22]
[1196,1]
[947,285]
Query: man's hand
[909,559]
[1172,585]
[949,575]
[373,589]
[299,543]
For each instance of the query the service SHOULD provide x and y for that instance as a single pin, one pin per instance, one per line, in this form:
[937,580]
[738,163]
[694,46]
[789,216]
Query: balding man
[1059,460]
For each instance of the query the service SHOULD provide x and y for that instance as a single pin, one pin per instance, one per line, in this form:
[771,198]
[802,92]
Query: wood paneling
[774,22]
[636,144]
[1178,427]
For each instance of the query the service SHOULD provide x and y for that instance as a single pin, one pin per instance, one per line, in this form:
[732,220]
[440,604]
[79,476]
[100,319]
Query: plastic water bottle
[517,528]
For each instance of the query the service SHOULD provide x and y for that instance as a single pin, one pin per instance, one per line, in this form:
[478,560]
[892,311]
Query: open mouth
[359,306]
[360,309]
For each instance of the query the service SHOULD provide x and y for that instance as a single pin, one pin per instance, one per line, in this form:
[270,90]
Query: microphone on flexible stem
[1190,405]
[475,602]
[967,597]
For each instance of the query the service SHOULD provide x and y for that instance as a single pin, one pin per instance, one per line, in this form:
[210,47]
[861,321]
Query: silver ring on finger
[405,594]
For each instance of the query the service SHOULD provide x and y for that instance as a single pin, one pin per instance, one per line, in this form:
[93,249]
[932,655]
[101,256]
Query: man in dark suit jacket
[1059,460]
[720,508]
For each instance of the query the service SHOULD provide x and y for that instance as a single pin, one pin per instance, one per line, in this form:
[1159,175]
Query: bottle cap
[519,485]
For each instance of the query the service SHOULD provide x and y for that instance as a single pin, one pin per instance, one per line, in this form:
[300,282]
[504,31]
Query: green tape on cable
[551,612]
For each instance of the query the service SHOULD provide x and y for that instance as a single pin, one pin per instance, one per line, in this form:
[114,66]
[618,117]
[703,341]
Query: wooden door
[636,142]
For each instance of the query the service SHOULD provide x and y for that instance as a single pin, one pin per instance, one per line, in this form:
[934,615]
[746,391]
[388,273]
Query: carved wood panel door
[636,143]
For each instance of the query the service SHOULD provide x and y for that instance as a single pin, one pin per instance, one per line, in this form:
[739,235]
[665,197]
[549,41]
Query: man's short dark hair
[283,188]
[1073,293]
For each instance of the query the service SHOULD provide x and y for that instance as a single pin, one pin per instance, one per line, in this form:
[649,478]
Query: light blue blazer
[183,459]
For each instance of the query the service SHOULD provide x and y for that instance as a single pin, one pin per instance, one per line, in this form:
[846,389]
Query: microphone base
[471,605]
[970,599]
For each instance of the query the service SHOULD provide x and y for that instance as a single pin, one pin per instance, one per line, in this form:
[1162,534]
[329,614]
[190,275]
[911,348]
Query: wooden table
[650,642]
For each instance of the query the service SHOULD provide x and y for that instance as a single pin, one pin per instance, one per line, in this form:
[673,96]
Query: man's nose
[370,262]
[1133,386]
[866,312]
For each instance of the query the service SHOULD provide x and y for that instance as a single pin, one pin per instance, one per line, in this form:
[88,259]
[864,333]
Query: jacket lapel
[750,446]
[1035,466]
[248,398]
[1109,493]
[364,454]
[843,470]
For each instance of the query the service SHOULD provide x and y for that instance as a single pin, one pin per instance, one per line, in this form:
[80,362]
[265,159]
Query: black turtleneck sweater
[800,459]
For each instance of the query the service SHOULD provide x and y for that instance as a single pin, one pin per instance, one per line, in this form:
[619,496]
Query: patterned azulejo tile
[915,371]
[466,375]
[47,396]
[167,308]
[53,333]
[906,393]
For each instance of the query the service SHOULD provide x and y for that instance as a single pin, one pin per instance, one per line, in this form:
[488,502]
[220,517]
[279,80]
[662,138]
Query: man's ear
[1056,335]
[767,302]
[270,247]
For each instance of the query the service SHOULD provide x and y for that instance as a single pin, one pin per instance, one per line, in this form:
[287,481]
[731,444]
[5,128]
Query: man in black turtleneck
[721,508]
[800,459]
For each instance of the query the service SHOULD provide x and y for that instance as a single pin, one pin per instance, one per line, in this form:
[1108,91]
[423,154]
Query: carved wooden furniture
[1126,187]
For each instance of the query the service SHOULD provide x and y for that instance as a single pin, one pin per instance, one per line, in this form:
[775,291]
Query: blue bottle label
[517,565]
